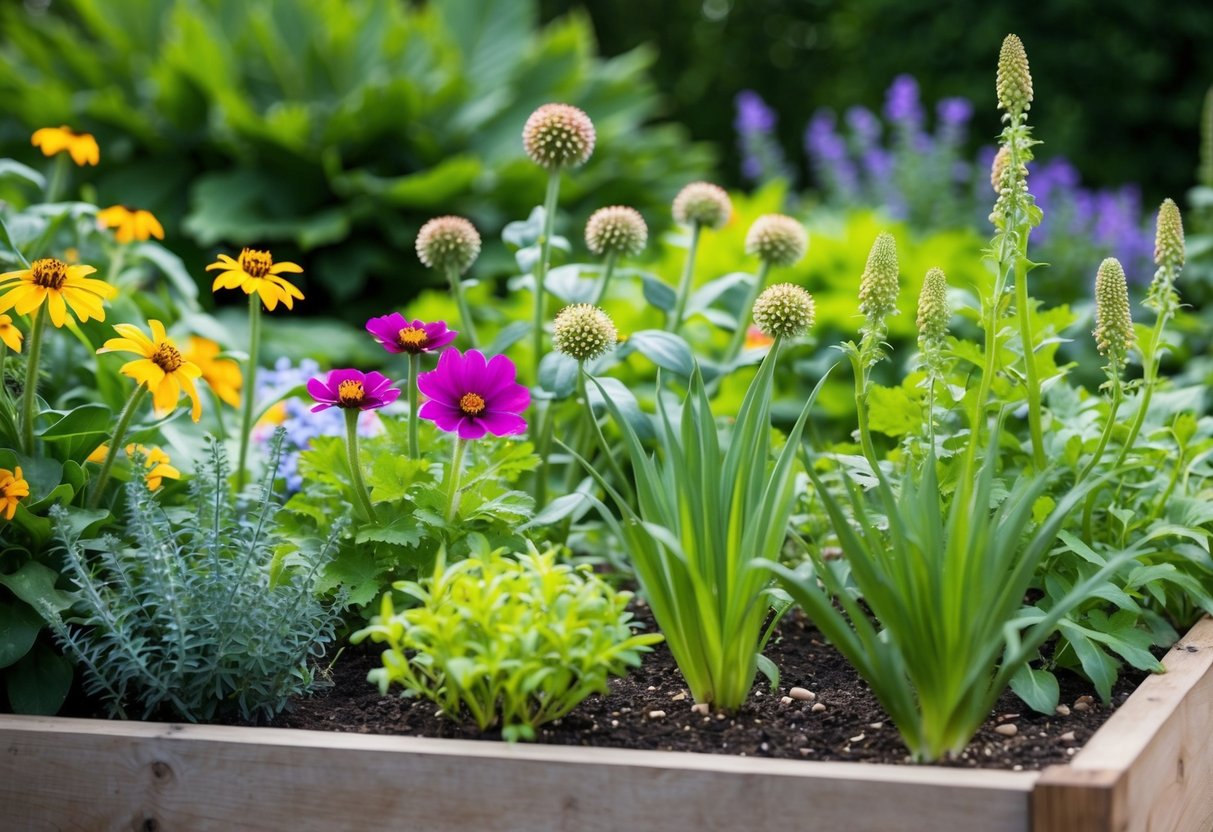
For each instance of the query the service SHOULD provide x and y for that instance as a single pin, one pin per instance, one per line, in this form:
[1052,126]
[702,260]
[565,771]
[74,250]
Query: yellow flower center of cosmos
[411,338]
[472,404]
[350,393]
[167,357]
[256,263]
[49,272]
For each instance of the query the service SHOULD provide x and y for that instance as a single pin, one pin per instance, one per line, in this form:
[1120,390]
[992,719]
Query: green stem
[1117,397]
[608,270]
[250,387]
[351,449]
[29,395]
[414,366]
[1150,362]
[218,408]
[861,411]
[1024,313]
[453,477]
[541,268]
[684,285]
[738,340]
[465,314]
[59,171]
[544,448]
[115,444]
[3,359]
[605,448]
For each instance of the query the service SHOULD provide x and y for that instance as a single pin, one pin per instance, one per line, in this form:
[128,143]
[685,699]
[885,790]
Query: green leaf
[558,374]
[893,412]
[12,169]
[173,268]
[81,430]
[1037,688]
[658,293]
[392,477]
[19,626]
[403,531]
[39,683]
[625,400]
[34,583]
[665,349]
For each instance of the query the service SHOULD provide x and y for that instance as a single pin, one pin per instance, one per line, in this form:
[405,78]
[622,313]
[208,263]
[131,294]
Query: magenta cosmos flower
[470,397]
[352,389]
[397,334]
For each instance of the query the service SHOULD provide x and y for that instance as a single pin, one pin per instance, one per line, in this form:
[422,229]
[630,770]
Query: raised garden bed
[1148,768]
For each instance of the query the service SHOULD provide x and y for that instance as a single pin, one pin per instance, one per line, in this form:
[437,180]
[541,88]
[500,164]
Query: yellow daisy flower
[9,334]
[58,285]
[162,367]
[222,374]
[155,460]
[256,271]
[12,488]
[82,146]
[131,223]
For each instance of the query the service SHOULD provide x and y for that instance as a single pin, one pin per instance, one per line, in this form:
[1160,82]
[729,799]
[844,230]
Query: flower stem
[1031,381]
[674,323]
[608,270]
[541,268]
[414,367]
[743,317]
[1149,382]
[544,448]
[1107,433]
[250,387]
[351,449]
[453,477]
[115,444]
[3,359]
[29,395]
[465,314]
[58,181]
[861,410]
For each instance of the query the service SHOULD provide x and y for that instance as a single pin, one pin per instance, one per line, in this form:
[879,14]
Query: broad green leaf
[664,349]
[34,583]
[19,626]
[1037,688]
[39,683]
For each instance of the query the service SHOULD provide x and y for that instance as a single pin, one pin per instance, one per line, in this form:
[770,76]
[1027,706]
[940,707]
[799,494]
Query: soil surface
[838,718]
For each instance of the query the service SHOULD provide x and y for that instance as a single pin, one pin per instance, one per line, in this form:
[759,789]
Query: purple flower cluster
[761,155]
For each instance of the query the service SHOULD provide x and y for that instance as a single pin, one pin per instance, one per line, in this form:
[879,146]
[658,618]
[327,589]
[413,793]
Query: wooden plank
[90,775]
[1150,767]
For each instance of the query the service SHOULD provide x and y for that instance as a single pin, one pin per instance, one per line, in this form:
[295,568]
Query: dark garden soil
[837,718]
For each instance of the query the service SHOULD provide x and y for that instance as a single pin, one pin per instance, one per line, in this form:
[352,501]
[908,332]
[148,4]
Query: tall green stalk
[674,323]
[414,369]
[250,388]
[541,268]
[351,449]
[115,444]
[608,270]
[454,475]
[1150,362]
[743,318]
[469,327]
[29,395]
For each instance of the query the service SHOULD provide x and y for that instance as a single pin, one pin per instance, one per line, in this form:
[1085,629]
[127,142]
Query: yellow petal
[192,392]
[144,372]
[166,394]
[158,334]
[30,300]
[286,266]
[85,305]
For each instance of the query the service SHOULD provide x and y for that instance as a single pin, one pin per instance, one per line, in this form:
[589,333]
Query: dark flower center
[49,272]
[412,339]
[167,358]
[350,393]
[256,263]
[472,404]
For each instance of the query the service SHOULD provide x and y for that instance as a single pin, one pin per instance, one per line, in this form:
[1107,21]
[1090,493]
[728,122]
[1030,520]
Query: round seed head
[1113,321]
[784,310]
[446,243]
[777,239]
[878,287]
[933,310]
[616,230]
[584,332]
[703,203]
[1014,83]
[1169,235]
[558,136]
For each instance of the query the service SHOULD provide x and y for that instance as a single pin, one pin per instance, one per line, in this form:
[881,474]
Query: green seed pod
[703,203]
[784,310]
[584,332]
[558,136]
[777,239]
[1169,236]
[1113,322]
[616,230]
[933,311]
[448,242]
[878,288]
[1014,84]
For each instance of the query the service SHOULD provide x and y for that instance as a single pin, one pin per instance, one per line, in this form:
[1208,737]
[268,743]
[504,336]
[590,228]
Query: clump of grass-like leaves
[179,615]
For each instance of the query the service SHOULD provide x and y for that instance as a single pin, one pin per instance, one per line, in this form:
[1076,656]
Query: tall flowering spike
[1014,82]
[616,230]
[583,332]
[777,239]
[703,203]
[878,287]
[933,311]
[998,168]
[446,243]
[1113,322]
[558,136]
[784,310]
[1169,236]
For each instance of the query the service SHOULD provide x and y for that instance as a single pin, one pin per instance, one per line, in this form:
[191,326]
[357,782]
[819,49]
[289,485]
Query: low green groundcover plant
[514,641]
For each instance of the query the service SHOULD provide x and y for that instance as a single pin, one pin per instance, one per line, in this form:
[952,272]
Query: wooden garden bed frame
[1150,767]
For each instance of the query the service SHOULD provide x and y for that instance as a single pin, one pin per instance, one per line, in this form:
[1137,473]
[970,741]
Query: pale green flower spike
[1169,236]
[878,287]
[583,332]
[784,310]
[933,311]
[1014,82]
[1113,321]
[777,239]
